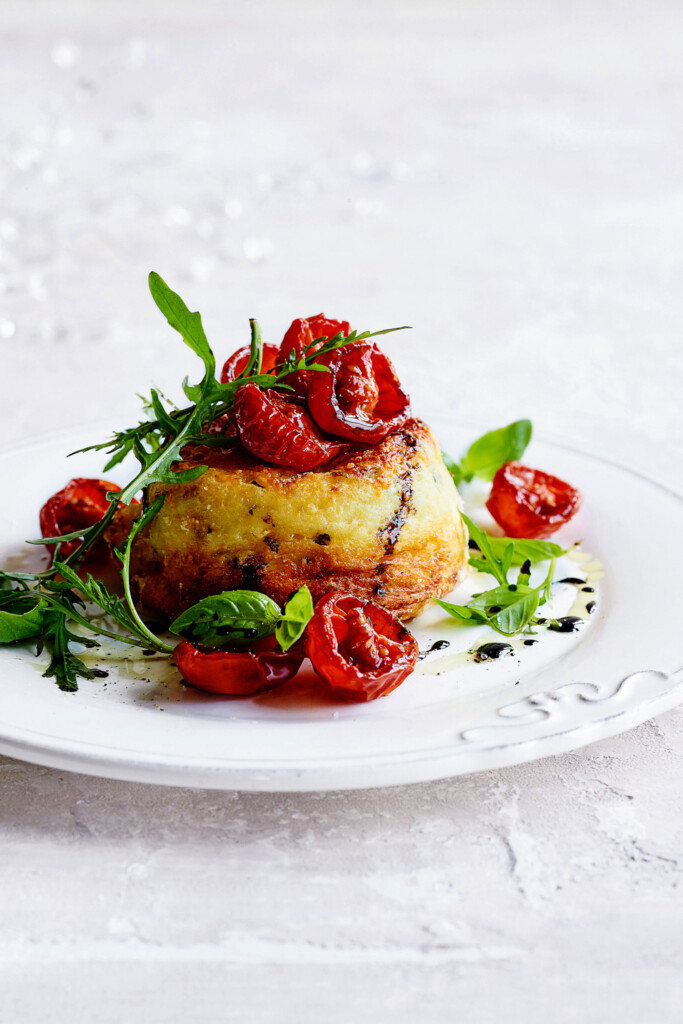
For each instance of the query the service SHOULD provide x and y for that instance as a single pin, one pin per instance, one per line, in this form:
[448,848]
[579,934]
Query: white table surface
[508,178]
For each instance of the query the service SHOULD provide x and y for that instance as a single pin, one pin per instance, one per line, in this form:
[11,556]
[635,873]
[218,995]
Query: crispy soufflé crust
[381,522]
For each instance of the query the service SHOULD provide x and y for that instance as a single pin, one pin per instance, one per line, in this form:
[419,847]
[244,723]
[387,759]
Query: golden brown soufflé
[380,521]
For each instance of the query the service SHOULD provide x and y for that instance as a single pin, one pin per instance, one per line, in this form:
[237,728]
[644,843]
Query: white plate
[450,717]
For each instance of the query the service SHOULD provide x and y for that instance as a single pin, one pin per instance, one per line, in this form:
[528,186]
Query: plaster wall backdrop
[508,178]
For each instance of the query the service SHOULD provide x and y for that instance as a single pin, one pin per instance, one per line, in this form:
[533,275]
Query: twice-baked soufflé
[379,521]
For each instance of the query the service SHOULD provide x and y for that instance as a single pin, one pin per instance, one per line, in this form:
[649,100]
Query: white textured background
[508,178]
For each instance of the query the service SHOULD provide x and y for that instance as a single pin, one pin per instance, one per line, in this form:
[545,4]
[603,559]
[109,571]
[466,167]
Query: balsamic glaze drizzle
[438,645]
[491,652]
[567,624]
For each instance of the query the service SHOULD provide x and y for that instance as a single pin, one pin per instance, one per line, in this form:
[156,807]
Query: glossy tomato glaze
[530,503]
[237,673]
[280,431]
[361,651]
[302,333]
[361,398]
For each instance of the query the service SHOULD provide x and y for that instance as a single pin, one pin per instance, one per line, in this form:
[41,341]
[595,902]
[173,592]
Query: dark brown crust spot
[323,539]
[251,570]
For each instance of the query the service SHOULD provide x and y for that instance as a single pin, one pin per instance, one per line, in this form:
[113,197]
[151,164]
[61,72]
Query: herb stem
[100,631]
[125,554]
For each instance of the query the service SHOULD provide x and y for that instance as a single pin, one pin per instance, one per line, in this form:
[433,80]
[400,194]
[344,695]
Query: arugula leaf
[235,616]
[65,666]
[188,325]
[488,453]
[96,591]
[296,615]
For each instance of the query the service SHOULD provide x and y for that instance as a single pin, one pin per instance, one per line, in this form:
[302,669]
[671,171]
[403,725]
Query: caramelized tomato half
[361,650]
[237,362]
[526,502]
[279,431]
[361,398]
[237,673]
[80,504]
[303,332]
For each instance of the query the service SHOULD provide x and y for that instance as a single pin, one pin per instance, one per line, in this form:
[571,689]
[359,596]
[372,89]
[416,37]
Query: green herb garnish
[242,616]
[509,608]
[489,452]
[532,551]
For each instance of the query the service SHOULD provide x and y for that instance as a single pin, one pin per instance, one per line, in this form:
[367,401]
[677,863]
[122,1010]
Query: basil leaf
[235,616]
[515,606]
[513,618]
[296,615]
[533,551]
[488,453]
[471,616]
[22,626]
[506,560]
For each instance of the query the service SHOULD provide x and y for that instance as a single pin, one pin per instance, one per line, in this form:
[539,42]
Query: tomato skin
[237,362]
[279,431]
[361,398]
[80,504]
[236,673]
[361,650]
[529,503]
[300,333]
[305,330]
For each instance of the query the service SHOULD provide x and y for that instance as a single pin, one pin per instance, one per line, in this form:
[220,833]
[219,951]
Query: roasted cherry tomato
[239,359]
[303,332]
[529,503]
[238,673]
[361,398]
[279,431]
[80,504]
[361,650]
